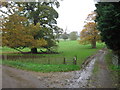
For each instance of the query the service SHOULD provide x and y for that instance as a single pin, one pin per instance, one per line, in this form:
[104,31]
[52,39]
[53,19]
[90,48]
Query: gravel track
[16,78]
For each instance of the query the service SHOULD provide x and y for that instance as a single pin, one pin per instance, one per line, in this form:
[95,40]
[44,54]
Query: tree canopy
[16,34]
[46,15]
[38,12]
[73,35]
[90,34]
[108,19]
[65,35]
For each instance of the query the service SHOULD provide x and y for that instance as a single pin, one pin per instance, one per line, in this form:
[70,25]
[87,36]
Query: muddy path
[15,78]
[103,77]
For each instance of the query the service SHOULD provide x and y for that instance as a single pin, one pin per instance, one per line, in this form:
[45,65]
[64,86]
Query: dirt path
[15,78]
[102,78]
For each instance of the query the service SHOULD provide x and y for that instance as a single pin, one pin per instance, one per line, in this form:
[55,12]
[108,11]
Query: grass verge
[40,67]
[115,70]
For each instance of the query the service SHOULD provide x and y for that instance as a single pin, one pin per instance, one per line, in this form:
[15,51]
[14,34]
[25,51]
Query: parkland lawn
[67,49]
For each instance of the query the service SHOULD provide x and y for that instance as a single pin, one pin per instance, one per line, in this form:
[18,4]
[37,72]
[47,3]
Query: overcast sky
[72,14]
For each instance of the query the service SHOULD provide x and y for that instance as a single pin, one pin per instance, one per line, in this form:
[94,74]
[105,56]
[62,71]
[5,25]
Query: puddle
[72,79]
[81,78]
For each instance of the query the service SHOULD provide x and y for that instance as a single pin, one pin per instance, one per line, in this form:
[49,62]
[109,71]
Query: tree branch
[18,50]
[4,12]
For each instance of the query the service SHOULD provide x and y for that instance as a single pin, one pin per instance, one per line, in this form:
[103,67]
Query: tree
[89,35]
[65,36]
[39,12]
[46,15]
[17,34]
[108,19]
[73,35]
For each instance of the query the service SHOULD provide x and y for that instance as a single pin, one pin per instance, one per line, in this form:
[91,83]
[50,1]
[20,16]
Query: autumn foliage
[16,33]
[90,34]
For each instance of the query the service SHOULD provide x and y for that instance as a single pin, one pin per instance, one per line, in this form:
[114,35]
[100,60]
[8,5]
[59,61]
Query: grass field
[67,49]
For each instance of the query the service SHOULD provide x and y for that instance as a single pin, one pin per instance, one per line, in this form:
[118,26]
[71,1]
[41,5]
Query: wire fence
[41,59]
[114,59]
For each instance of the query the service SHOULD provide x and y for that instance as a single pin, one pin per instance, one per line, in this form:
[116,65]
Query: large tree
[46,15]
[89,35]
[108,19]
[39,12]
[17,34]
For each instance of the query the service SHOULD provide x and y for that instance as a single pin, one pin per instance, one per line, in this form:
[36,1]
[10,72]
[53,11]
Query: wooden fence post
[48,60]
[5,57]
[75,60]
[64,61]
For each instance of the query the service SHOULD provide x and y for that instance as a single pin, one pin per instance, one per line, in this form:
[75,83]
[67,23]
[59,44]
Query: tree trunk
[93,44]
[33,50]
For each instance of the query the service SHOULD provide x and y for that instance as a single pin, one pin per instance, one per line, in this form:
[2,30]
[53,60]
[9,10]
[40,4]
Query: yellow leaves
[33,29]
[4,41]
[89,33]
[38,43]
[90,25]
[16,19]
[20,8]
[41,42]
[16,34]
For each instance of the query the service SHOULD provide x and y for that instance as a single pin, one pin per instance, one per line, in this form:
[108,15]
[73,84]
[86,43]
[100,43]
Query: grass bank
[114,69]
[111,66]
[67,49]
[41,67]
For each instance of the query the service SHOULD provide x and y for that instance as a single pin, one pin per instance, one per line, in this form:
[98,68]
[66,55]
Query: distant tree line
[71,36]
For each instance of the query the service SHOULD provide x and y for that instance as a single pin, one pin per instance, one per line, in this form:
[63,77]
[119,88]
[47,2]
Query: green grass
[42,67]
[0,61]
[67,49]
[114,69]
[110,64]
[73,48]
[10,50]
